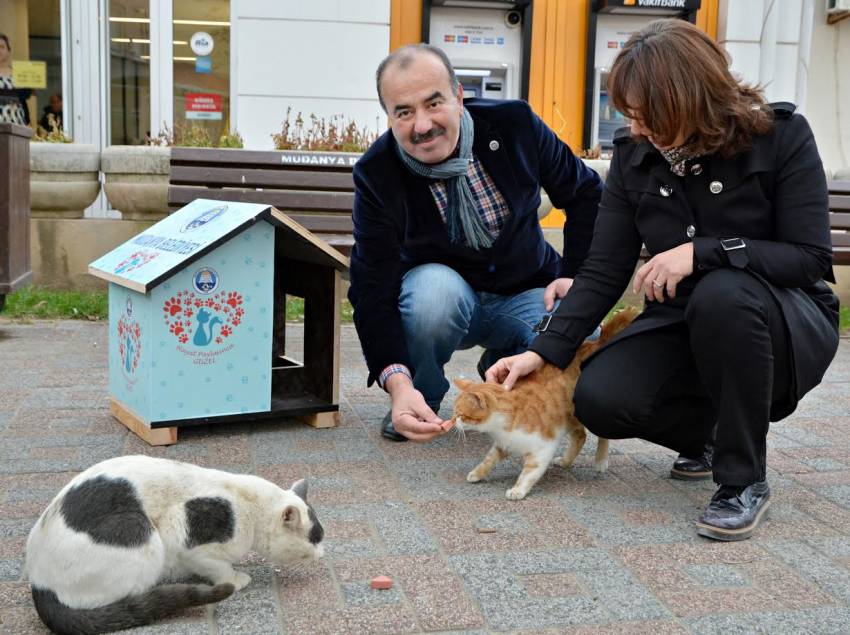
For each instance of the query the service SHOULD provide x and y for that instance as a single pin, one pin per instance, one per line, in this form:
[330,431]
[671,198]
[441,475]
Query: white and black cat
[97,555]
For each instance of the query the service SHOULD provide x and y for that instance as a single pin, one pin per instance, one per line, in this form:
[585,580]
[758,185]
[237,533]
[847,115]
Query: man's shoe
[734,512]
[388,431]
[687,468]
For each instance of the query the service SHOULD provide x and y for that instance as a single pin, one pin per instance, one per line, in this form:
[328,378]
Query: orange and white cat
[533,418]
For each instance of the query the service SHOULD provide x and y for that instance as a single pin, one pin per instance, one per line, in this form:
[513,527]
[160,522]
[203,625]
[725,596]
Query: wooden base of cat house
[197,322]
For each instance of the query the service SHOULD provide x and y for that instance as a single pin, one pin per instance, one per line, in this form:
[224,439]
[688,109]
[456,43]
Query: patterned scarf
[463,222]
[677,157]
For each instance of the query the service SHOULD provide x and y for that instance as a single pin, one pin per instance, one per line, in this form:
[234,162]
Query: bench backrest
[317,195]
[839,220]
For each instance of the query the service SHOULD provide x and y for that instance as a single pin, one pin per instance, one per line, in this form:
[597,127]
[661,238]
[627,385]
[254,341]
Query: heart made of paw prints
[180,313]
[129,329]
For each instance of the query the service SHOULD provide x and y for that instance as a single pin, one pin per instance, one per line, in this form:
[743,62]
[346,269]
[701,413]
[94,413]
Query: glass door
[129,72]
[201,57]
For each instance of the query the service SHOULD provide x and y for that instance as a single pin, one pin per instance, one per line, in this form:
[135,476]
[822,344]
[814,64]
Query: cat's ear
[299,488]
[461,383]
[291,516]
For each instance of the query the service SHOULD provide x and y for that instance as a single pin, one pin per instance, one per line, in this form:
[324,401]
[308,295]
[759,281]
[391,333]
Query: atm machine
[487,41]
[610,24]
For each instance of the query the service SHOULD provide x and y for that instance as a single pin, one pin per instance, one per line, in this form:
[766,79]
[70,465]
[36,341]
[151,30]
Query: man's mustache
[436,131]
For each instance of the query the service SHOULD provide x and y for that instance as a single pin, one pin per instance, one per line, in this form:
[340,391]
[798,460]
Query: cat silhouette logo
[205,280]
[129,343]
[204,218]
[204,321]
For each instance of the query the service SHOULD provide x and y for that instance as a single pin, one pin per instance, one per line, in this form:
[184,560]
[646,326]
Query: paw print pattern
[181,312]
[172,307]
[234,299]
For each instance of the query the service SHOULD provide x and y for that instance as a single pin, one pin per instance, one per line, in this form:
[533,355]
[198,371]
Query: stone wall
[61,249]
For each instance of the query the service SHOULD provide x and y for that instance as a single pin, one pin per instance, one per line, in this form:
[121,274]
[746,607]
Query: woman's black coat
[773,196]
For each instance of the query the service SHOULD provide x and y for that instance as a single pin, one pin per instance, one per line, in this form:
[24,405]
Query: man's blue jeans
[441,313]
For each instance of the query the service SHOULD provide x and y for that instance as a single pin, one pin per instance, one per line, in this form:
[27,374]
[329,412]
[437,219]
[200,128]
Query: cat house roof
[150,258]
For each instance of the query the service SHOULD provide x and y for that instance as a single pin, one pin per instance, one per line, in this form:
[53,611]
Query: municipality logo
[204,218]
[205,280]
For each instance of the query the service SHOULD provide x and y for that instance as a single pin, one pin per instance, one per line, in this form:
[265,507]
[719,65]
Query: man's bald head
[403,57]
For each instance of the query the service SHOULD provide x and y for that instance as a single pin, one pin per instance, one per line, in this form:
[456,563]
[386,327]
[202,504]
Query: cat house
[197,321]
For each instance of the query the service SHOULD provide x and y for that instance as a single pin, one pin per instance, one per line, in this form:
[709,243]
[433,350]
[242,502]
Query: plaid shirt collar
[489,202]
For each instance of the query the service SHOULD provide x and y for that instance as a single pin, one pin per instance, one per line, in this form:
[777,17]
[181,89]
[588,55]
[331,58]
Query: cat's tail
[133,610]
[612,327]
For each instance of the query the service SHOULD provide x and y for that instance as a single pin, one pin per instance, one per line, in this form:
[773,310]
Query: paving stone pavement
[585,553]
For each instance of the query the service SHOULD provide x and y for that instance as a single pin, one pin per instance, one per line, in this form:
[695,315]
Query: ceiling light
[139,20]
[201,22]
[185,59]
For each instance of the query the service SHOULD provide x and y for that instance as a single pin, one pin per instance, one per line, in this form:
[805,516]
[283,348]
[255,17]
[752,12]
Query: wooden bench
[315,189]
[839,221]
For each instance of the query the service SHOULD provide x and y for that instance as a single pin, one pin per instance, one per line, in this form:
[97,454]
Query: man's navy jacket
[397,225]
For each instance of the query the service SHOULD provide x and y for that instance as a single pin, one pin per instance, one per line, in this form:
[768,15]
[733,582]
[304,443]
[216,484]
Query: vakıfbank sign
[676,5]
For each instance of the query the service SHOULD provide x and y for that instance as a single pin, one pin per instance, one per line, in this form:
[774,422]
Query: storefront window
[30,62]
[129,69]
[202,69]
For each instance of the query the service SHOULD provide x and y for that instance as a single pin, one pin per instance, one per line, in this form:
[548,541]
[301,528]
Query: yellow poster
[27,74]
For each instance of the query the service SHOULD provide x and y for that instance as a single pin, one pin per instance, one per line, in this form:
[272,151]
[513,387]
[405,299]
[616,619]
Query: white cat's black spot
[316,531]
[108,510]
[209,520]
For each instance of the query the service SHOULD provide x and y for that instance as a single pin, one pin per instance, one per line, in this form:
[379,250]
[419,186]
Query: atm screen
[471,90]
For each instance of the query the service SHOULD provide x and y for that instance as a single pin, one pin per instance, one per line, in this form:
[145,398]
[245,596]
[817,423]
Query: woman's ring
[657,284]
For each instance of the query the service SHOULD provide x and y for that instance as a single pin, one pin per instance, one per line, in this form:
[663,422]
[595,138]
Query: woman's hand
[665,270]
[556,290]
[508,369]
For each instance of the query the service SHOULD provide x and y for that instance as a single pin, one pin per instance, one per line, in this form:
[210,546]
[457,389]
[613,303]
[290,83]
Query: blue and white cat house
[197,321]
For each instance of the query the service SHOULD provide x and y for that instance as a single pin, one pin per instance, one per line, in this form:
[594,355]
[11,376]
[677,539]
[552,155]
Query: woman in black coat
[729,196]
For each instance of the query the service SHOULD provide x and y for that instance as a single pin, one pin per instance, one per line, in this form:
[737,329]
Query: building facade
[130,70]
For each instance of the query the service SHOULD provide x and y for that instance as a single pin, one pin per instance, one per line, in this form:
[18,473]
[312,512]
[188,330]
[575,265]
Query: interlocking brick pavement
[584,553]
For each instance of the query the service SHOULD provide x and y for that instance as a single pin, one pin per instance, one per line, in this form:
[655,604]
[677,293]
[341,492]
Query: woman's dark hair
[674,79]
[5,38]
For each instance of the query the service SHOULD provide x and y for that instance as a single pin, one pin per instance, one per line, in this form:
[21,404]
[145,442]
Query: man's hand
[508,369]
[411,415]
[665,270]
[556,290]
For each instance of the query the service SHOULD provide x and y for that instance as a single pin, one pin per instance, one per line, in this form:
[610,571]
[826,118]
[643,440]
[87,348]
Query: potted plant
[334,140]
[64,176]
[136,177]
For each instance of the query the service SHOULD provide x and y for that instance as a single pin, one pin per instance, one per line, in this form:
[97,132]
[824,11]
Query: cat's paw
[240,580]
[515,494]
[473,477]
[601,466]
[565,461]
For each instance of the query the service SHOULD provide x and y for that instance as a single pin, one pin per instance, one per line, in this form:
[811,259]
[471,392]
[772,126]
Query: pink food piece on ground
[447,425]
[382,582]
